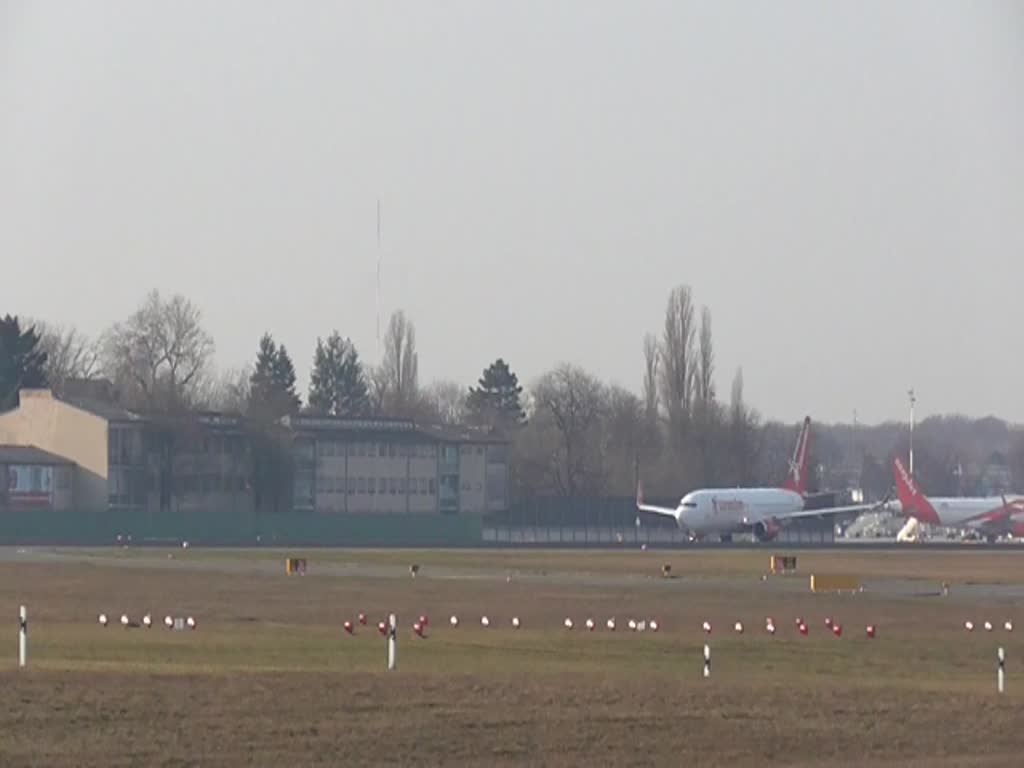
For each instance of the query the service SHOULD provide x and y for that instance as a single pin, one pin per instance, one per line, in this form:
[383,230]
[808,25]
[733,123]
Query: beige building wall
[66,431]
[423,478]
[331,479]
[472,477]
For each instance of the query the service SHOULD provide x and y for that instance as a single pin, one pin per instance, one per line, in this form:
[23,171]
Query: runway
[336,564]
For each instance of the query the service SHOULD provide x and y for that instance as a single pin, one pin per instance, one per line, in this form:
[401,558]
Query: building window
[382,450]
[401,485]
[433,486]
[351,484]
[391,450]
[423,486]
[303,486]
[371,486]
[479,450]
[382,485]
[392,485]
[496,487]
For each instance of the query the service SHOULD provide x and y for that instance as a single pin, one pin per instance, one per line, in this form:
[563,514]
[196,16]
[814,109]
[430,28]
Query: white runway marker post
[392,642]
[22,637]
[707,660]
[1001,673]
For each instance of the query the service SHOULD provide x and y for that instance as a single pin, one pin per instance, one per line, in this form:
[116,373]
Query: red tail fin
[914,503]
[797,478]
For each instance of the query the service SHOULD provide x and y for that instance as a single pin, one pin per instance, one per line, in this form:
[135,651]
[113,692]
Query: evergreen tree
[495,401]
[22,361]
[337,385]
[272,393]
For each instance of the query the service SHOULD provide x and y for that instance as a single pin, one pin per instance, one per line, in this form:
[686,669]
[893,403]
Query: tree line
[570,433]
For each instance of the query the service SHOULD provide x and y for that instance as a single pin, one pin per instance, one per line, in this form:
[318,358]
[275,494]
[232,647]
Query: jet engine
[766,530]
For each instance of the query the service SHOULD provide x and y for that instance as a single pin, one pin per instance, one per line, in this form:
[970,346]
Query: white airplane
[761,511]
[990,517]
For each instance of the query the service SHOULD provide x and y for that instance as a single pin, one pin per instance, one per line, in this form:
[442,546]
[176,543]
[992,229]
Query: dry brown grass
[270,679]
[1004,566]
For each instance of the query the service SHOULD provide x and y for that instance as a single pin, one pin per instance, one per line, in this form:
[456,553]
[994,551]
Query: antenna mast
[377,351]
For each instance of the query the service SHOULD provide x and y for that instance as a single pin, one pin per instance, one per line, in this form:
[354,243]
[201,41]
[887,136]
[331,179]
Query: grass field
[270,678]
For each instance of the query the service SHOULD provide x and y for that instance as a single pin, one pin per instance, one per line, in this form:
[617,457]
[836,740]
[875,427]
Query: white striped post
[1001,673]
[392,642]
[707,660]
[23,637]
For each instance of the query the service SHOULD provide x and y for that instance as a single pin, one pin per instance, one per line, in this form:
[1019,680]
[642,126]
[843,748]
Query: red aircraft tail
[797,478]
[914,503]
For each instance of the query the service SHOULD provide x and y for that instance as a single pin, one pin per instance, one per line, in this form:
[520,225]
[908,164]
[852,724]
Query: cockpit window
[690,504]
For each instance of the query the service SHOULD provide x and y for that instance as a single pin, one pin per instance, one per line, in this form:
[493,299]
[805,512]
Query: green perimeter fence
[234,529]
[223,528]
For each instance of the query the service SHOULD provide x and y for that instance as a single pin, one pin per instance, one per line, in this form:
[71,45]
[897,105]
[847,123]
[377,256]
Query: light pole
[913,399]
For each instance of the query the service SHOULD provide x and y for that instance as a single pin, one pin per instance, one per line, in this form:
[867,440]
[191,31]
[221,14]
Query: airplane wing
[669,511]
[828,511]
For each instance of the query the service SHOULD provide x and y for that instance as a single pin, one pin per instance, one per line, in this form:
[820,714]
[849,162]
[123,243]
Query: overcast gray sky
[841,183]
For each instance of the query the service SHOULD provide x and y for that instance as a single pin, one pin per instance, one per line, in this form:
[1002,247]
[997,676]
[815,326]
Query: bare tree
[573,402]
[159,355]
[650,447]
[1016,463]
[70,354]
[445,402]
[678,367]
[651,361]
[624,440]
[706,417]
[227,391]
[744,435]
[705,375]
[397,380]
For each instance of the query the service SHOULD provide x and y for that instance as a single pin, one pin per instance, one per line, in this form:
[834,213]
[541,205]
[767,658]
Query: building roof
[342,424]
[462,433]
[29,454]
[456,433]
[103,409]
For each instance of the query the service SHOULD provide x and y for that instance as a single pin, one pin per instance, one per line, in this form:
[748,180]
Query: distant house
[123,459]
[127,460]
[378,465]
[34,479]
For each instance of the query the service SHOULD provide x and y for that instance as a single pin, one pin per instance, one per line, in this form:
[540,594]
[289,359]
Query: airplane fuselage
[717,511]
[968,513]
